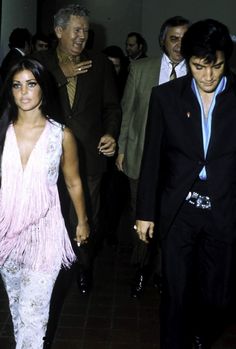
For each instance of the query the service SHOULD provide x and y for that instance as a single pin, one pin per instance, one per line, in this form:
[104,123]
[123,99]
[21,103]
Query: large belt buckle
[204,202]
[199,201]
[192,198]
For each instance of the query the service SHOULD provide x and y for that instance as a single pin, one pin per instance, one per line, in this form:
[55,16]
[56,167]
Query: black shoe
[198,343]
[84,282]
[137,288]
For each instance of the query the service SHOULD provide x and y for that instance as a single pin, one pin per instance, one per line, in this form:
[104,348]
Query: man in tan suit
[144,75]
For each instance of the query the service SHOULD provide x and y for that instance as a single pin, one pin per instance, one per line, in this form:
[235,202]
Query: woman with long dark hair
[34,243]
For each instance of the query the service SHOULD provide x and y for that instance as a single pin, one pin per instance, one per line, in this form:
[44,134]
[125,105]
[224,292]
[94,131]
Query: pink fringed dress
[32,228]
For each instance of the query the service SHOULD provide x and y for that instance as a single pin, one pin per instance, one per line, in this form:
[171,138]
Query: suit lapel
[155,73]
[192,119]
[147,77]
[81,85]
[223,119]
[52,62]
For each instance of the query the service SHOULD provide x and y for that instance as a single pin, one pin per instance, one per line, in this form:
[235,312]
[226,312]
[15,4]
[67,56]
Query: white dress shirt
[166,68]
[19,50]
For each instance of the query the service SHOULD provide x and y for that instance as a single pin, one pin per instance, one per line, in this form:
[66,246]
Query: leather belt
[199,201]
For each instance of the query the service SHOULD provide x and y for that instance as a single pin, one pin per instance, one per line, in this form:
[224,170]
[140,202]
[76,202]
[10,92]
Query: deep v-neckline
[23,167]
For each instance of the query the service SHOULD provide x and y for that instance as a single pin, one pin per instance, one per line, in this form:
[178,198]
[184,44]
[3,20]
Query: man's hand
[144,230]
[71,69]
[107,145]
[119,162]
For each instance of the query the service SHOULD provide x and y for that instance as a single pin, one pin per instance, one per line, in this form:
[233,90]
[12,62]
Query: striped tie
[72,81]
[71,87]
[173,72]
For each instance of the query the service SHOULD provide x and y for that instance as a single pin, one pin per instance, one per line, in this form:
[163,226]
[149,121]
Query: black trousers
[144,256]
[86,252]
[91,187]
[198,279]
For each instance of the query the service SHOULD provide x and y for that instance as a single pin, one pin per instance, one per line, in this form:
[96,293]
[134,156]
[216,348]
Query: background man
[136,46]
[40,42]
[120,62]
[187,185]
[144,74]
[90,107]
[20,45]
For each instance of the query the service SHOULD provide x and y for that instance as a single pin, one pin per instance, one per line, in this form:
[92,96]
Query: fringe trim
[31,223]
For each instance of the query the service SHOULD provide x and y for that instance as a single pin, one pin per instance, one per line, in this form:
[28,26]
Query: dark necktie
[173,72]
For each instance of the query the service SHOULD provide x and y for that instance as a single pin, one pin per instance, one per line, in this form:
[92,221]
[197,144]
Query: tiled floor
[108,318]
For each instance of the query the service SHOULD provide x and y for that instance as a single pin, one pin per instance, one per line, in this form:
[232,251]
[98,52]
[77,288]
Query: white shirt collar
[18,49]
[166,68]
[168,63]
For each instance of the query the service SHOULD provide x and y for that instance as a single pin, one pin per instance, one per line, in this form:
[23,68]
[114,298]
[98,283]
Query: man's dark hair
[39,36]
[114,52]
[140,41]
[204,38]
[18,38]
[175,21]
[50,105]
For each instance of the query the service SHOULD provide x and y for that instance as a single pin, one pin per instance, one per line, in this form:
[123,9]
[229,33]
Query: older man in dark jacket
[90,107]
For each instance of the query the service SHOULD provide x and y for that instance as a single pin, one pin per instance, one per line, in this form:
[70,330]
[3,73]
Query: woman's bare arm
[70,169]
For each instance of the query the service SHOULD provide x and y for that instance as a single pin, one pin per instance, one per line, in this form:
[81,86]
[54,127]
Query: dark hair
[114,52]
[175,21]
[8,109]
[39,36]
[18,38]
[140,41]
[204,38]
[62,17]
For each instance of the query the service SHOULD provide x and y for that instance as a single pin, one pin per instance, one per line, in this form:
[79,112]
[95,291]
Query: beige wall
[110,19]
[113,19]
[156,11]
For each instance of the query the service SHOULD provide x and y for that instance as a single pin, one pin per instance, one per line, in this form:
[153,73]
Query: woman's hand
[82,233]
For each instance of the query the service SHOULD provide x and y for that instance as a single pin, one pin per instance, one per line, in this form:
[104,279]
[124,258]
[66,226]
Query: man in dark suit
[20,45]
[144,74]
[90,107]
[188,188]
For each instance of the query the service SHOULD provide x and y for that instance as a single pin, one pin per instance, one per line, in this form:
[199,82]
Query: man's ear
[58,31]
